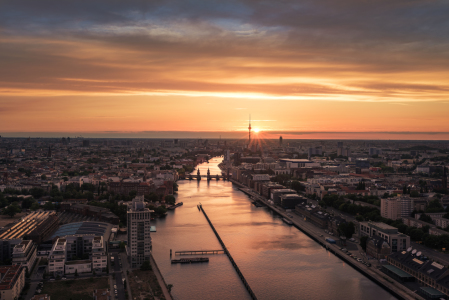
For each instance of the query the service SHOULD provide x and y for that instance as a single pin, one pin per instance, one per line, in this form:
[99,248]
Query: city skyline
[200,66]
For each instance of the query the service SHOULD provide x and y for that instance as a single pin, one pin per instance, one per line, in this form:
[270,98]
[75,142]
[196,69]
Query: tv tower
[249,131]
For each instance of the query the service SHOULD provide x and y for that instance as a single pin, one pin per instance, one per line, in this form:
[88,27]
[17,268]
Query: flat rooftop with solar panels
[84,228]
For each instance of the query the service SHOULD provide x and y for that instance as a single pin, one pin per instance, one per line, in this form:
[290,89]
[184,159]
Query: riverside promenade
[395,288]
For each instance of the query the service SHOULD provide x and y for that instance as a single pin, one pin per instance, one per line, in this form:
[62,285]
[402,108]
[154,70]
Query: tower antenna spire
[249,130]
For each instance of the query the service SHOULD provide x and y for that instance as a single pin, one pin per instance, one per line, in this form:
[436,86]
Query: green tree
[414,194]
[37,192]
[416,234]
[297,186]
[175,187]
[12,209]
[161,210]
[27,202]
[49,206]
[122,246]
[426,218]
[146,266]
[43,177]
[170,199]
[346,229]
[363,241]
[152,197]
[434,206]
[34,206]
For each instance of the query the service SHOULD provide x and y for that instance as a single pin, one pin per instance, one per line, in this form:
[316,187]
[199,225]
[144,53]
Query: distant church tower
[280,141]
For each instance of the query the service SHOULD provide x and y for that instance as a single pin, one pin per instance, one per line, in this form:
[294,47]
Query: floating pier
[190,260]
[202,252]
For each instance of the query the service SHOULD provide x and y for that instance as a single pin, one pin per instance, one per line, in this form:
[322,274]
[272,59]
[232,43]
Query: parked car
[63,278]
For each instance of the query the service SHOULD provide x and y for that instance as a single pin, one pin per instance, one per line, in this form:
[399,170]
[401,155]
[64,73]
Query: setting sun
[256,130]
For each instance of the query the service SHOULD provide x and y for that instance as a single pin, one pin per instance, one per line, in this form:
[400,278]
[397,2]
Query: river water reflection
[277,260]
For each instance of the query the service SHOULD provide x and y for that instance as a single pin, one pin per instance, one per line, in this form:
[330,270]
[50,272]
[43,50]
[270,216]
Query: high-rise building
[390,208]
[375,151]
[396,208]
[249,131]
[139,239]
[315,151]
[227,155]
[343,152]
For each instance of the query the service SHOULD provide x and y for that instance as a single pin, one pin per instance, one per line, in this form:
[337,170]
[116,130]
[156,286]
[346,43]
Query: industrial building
[433,276]
[38,225]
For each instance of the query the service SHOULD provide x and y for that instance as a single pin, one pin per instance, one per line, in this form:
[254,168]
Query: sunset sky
[304,69]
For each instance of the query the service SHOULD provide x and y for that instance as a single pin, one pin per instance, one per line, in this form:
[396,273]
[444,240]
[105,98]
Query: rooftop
[9,275]
[95,228]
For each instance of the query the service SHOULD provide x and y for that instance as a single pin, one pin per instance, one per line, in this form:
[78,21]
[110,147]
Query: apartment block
[24,254]
[139,239]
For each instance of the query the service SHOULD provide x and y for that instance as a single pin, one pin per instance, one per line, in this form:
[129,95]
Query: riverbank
[316,234]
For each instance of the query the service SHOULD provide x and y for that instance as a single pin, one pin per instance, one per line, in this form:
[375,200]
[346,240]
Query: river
[277,260]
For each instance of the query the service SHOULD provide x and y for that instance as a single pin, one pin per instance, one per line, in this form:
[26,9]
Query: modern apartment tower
[139,239]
